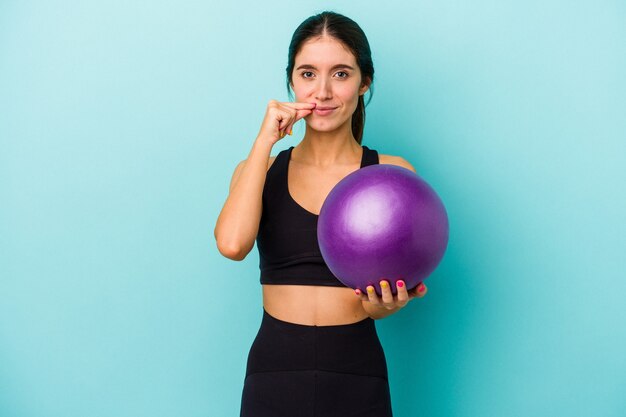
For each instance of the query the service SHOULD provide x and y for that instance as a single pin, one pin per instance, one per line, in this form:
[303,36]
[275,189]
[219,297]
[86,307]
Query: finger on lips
[297,111]
[300,105]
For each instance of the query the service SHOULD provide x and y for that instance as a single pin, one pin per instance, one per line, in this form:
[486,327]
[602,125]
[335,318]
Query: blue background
[121,123]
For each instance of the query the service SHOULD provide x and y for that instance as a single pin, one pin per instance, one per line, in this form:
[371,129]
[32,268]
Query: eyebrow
[308,66]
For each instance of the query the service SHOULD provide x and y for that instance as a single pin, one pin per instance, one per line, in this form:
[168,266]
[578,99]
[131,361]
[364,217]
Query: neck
[328,148]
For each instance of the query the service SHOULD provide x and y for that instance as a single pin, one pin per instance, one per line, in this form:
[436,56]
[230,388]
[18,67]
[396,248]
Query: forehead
[324,52]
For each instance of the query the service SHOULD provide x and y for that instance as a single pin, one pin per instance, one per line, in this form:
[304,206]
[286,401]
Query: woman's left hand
[388,300]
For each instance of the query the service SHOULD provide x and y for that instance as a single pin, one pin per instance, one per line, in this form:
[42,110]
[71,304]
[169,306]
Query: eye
[338,72]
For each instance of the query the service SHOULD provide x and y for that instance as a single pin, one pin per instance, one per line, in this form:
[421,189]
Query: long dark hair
[348,32]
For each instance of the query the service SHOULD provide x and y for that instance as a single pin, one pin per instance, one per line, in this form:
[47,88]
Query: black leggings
[296,370]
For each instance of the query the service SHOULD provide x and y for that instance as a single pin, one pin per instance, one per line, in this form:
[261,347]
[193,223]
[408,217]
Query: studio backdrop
[121,123]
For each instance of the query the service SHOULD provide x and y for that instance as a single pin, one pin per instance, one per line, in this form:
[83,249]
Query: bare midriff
[313,304]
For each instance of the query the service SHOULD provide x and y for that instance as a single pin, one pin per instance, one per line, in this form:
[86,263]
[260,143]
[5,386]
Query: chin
[325,125]
[327,128]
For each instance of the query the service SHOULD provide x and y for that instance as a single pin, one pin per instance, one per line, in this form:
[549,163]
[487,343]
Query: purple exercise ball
[382,221]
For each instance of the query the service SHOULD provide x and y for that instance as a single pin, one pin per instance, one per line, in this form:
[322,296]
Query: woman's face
[327,74]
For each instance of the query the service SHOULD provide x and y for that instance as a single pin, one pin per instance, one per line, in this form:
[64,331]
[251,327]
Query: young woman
[317,352]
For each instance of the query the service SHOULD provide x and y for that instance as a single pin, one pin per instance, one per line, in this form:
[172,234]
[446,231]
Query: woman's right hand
[281,116]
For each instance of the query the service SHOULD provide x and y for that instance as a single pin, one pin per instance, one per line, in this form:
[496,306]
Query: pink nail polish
[400,284]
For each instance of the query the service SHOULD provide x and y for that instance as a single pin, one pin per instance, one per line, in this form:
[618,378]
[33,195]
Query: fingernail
[357,291]
[370,289]
[384,284]
[291,131]
[400,284]
[421,288]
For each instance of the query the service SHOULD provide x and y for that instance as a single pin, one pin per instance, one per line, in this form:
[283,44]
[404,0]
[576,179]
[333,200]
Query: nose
[323,90]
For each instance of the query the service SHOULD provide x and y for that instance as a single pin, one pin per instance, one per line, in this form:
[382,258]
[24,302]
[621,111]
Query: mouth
[323,111]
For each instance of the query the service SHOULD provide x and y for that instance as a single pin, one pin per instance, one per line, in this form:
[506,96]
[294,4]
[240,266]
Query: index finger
[299,105]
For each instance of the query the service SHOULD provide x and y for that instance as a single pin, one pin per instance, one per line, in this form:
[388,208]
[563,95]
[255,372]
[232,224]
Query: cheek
[348,93]
[303,90]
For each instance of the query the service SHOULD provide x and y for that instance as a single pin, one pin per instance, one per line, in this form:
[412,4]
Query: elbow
[230,249]
[231,252]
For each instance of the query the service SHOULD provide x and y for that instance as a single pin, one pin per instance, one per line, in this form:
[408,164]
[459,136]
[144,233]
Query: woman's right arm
[238,222]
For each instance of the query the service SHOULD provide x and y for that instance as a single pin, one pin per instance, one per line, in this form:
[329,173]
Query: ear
[365,85]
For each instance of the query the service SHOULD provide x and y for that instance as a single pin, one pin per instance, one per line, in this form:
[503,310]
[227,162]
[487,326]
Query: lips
[323,110]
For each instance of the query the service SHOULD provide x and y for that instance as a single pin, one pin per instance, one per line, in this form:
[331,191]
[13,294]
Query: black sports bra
[289,252]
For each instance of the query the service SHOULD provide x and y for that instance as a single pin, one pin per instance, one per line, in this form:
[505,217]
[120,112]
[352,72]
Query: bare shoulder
[395,160]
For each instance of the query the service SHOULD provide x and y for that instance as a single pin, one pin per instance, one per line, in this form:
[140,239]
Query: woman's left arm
[380,307]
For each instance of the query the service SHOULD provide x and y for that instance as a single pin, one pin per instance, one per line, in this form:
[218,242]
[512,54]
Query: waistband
[352,348]
[365,323]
